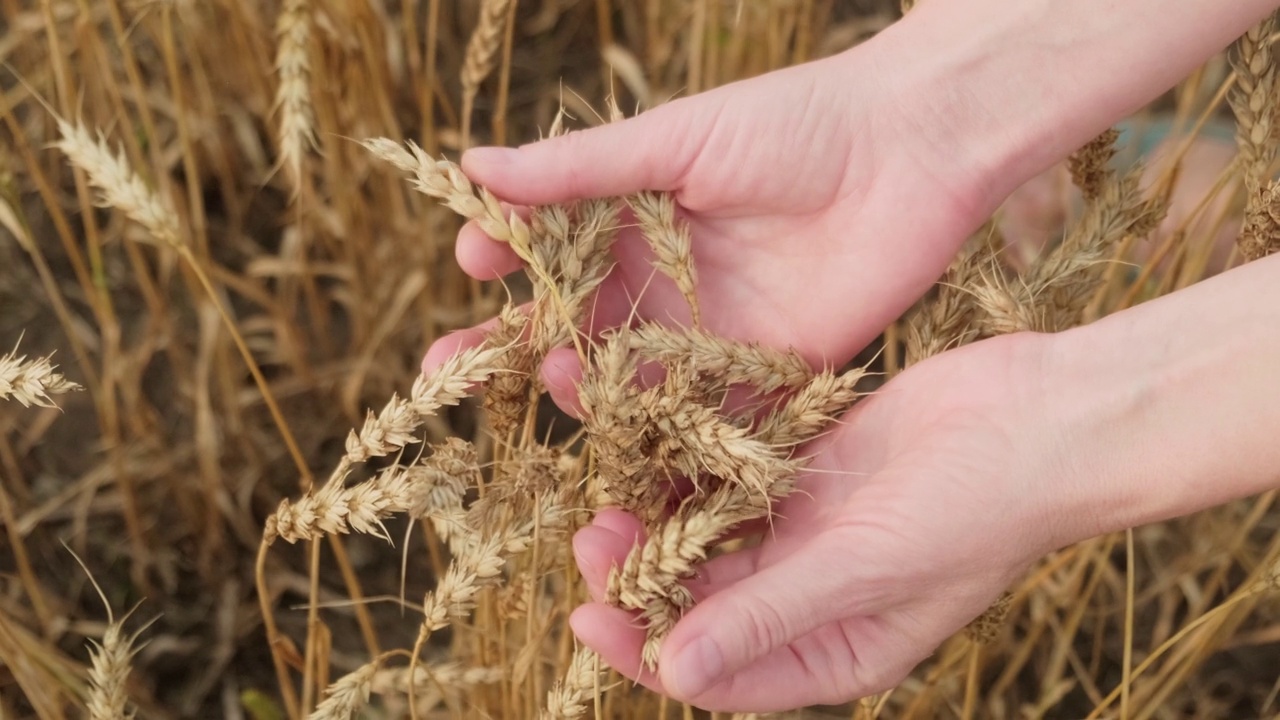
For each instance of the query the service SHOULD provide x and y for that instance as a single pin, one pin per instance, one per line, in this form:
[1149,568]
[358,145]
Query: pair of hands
[821,208]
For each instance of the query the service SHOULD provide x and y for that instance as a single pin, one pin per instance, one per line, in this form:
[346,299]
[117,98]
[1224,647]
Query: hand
[819,209]
[918,510]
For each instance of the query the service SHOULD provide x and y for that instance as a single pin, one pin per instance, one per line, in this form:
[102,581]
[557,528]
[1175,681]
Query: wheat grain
[827,396]
[390,430]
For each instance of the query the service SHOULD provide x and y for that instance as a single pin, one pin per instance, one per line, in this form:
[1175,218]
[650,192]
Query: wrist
[1168,408]
[1001,91]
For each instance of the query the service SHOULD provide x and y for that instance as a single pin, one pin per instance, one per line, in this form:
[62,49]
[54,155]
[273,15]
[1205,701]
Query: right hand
[820,200]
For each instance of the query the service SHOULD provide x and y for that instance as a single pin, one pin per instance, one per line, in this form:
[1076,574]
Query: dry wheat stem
[293,94]
[31,382]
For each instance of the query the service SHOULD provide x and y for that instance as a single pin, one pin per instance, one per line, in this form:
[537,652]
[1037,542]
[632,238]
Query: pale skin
[824,200]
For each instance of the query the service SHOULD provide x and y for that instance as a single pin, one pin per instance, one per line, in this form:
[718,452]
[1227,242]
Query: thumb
[652,151]
[731,630]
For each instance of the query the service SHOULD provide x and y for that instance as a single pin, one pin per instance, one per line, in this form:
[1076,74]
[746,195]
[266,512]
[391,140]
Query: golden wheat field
[227,490]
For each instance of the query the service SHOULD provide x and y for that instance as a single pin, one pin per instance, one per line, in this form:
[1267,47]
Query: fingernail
[696,668]
[490,156]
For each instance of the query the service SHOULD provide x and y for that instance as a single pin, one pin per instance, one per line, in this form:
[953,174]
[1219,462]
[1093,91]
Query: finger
[482,257]
[652,151]
[603,545]
[618,638]
[832,665]
[561,374]
[455,342]
[762,612]
[462,340]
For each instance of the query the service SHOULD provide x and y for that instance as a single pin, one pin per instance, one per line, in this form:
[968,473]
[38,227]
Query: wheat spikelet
[482,48]
[391,429]
[31,382]
[948,320]
[507,395]
[671,242]
[1260,233]
[348,695]
[764,369]
[579,259]
[984,628]
[118,186]
[827,396]
[443,180]
[293,94]
[1090,165]
[1005,307]
[570,696]
[108,673]
[450,382]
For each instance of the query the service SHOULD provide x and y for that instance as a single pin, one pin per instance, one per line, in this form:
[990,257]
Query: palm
[807,231]
[892,525]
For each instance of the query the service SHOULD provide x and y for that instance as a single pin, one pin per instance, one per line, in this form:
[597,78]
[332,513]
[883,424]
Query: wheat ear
[31,382]
[671,242]
[293,94]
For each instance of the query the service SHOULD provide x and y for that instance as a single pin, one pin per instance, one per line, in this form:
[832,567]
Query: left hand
[917,511]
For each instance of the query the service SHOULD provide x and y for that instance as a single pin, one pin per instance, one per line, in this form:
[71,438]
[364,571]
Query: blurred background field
[161,472]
